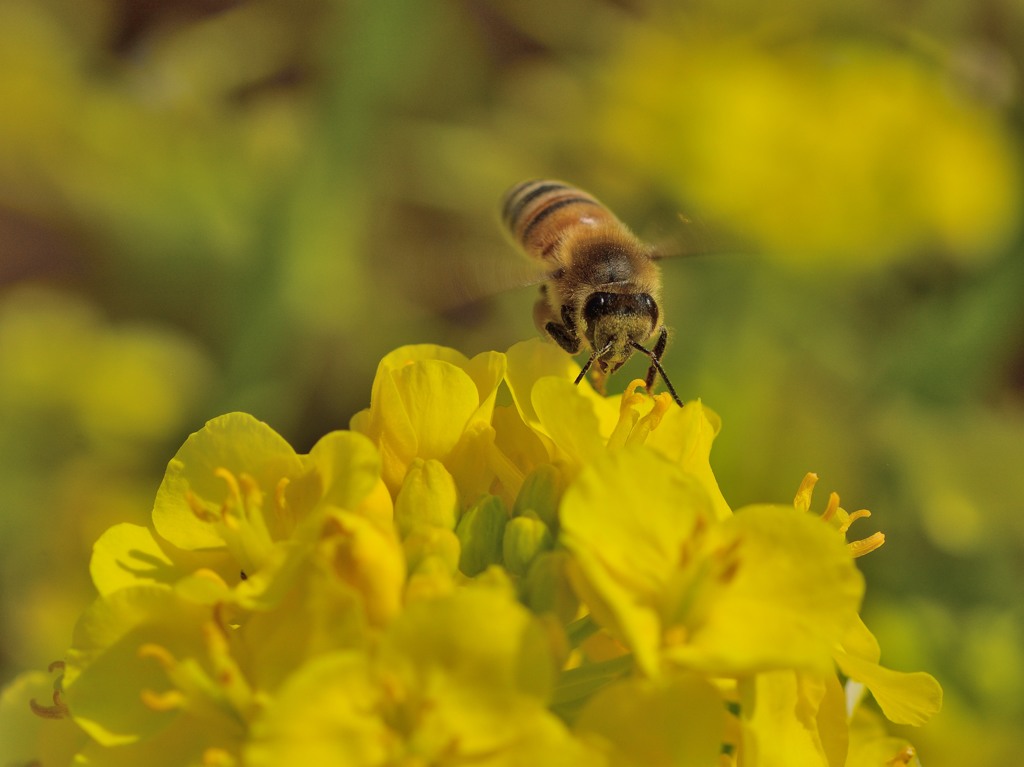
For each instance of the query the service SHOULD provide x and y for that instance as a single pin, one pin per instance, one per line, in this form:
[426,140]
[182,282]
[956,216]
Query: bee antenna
[590,361]
[661,371]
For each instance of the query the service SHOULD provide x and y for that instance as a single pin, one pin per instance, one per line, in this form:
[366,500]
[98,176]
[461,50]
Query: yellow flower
[226,489]
[814,150]
[340,593]
[146,656]
[556,582]
[766,588]
[432,402]
[141,657]
[462,678]
[235,501]
[905,698]
[576,426]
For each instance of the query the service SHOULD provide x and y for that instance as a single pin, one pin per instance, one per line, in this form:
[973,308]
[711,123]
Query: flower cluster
[555,580]
[769,120]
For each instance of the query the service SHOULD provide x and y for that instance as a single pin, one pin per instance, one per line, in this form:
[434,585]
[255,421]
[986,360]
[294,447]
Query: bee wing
[697,237]
[462,282]
[477,279]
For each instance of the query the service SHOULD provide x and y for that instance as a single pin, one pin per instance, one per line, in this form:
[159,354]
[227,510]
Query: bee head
[617,321]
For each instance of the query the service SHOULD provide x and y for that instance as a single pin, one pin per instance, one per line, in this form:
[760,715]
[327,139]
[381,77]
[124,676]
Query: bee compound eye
[646,305]
[597,306]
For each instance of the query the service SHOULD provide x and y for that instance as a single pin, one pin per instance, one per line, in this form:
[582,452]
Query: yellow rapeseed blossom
[554,581]
[812,150]
[763,589]
[432,402]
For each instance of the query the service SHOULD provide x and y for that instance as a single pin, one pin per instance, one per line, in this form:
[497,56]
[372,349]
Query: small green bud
[525,538]
[427,496]
[480,532]
[540,493]
[547,588]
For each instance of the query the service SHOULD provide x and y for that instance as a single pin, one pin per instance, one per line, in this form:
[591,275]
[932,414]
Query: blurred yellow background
[230,205]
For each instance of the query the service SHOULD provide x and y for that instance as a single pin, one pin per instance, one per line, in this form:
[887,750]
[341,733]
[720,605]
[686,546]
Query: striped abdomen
[538,212]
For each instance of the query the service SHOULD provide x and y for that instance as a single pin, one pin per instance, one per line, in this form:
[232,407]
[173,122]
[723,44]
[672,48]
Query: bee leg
[544,318]
[656,352]
[563,337]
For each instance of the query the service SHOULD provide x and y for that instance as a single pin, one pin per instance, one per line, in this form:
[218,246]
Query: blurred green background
[219,205]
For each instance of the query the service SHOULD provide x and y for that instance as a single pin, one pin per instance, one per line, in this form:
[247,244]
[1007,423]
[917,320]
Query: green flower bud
[525,538]
[540,493]
[547,588]
[480,532]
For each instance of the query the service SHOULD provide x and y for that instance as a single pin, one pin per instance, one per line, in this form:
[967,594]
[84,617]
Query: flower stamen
[202,513]
[837,516]
[854,516]
[59,709]
[281,508]
[629,414]
[831,509]
[903,758]
[219,685]
[802,501]
[633,428]
[866,545]
[171,700]
[240,520]
[662,403]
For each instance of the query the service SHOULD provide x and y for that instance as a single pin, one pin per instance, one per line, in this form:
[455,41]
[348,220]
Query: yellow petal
[476,637]
[487,370]
[125,555]
[859,642]
[794,591]
[105,674]
[625,519]
[568,418]
[236,442]
[326,715]
[472,462]
[370,561]
[677,723]
[528,361]
[349,467]
[411,354]
[905,698]
[437,400]
[423,399]
[872,746]
[685,436]
[428,496]
[780,727]
[28,738]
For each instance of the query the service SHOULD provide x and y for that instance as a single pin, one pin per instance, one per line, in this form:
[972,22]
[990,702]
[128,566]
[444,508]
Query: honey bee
[602,285]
